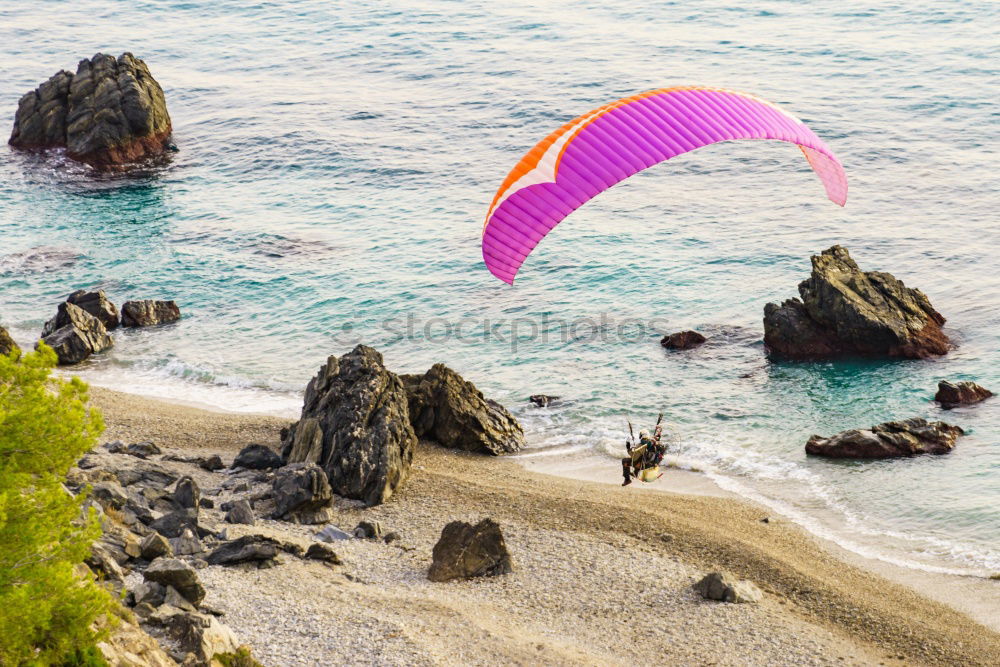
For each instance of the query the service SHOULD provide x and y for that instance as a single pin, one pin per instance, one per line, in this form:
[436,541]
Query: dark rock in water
[7,344]
[79,336]
[180,575]
[143,450]
[98,305]
[241,512]
[543,401]
[682,340]
[724,588]
[187,494]
[257,457]
[371,530]
[907,437]
[153,546]
[149,313]
[950,394]
[245,549]
[318,551]
[446,408]
[175,523]
[302,493]
[465,551]
[355,424]
[846,311]
[111,112]
[212,463]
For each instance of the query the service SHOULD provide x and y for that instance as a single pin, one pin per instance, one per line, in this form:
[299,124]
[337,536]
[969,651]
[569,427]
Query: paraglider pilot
[647,454]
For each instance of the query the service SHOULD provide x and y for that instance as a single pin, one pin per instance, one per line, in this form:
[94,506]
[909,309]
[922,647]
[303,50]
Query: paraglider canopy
[593,152]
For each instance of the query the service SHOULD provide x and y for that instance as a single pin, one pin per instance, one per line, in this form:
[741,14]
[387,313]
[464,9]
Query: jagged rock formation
[907,437]
[95,303]
[465,551]
[149,313]
[951,394]
[682,340]
[450,410]
[7,343]
[111,112]
[846,311]
[355,425]
[75,334]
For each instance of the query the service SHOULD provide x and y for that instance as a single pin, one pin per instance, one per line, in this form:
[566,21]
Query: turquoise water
[336,163]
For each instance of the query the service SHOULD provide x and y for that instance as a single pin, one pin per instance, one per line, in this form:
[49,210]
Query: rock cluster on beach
[954,394]
[110,113]
[360,423]
[81,323]
[846,311]
[907,437]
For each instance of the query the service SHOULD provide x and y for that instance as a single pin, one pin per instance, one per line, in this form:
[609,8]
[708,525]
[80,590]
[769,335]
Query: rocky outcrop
[682,340]
[450,410]
[846,311]
[907,437]
[953,394]
[110,113]
[726,588]
[7,344]
[355,425]
[302,494]
[257,457]
[75,334]
[465,551]
[149,313]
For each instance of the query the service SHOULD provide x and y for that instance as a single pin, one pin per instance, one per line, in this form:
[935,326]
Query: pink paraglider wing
[598,149]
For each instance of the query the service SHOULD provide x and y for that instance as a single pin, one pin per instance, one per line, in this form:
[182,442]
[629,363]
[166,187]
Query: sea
[335,162]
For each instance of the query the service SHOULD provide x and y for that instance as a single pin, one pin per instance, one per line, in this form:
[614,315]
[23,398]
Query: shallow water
[336,162]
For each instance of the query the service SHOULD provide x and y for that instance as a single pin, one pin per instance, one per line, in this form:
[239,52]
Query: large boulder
[465,551]
[449,409]
[7,344]
[954,394]
[907,437]
[355,425]
[111,112]
[149,313]
[78,335]
[847,311]
[726,588]
[302,493]
[180,575]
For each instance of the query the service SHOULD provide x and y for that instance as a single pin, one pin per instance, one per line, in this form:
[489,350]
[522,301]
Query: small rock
[682,340]
[187,494]
[206,503]
[391,536]
[332,534]
[143,450]
[319,551]
[143,610]
[187,544]
[245,549]
[543,401]
[153,546]
[257,457]
[175,599]
[465,551]
[951,395]
[180,575]
[302,493]
[907,437]
[174,523]
[212,463]
[369,529]
[766,519]
[723,587]
[149,592]
[241,512]
[149,313]
[115,447]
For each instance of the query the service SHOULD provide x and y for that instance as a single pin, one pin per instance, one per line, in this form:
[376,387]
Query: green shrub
[46,609]
[241,658]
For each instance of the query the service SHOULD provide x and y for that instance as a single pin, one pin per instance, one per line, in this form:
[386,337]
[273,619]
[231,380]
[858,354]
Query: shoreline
[805,581]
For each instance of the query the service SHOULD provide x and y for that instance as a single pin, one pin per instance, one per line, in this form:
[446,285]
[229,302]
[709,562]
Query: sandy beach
[602,574]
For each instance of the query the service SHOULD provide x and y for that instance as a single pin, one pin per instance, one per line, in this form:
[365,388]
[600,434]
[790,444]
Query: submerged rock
[77,336]
[682,340]
[355,425]
[725,588]
[465,551]
[111,112]
[951,394]
[451,410]
[846,311]
[149,313]
[543,401]
[907,437]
